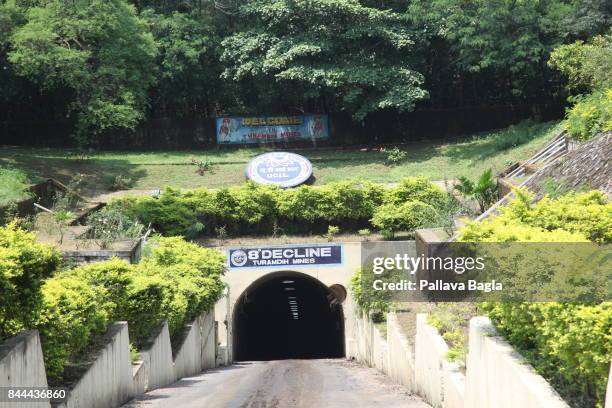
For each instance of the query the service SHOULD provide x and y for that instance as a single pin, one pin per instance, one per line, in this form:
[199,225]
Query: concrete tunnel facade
[256,319]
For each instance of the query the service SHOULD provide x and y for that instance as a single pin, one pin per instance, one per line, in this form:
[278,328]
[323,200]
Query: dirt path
[283,384]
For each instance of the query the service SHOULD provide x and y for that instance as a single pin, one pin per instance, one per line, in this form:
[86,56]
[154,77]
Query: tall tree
[496,50]
[341,53]
[99,49]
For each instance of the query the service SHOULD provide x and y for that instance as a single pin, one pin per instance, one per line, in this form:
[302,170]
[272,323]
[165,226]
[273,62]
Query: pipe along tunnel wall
[288,315]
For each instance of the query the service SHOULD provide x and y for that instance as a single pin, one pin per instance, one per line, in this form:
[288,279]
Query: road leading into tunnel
[329,383]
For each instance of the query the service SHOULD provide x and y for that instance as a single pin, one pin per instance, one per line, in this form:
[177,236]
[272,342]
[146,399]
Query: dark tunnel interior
[288,315]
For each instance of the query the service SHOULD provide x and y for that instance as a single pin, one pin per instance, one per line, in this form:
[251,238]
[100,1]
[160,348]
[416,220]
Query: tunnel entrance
[288,315]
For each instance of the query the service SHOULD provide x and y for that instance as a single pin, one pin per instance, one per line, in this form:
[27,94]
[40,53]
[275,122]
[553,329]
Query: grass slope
[469,156]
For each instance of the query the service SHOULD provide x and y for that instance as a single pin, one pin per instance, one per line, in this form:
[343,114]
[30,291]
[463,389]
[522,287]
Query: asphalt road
[283,384]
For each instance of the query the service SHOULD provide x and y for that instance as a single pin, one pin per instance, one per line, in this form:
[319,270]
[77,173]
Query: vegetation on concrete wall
[24,265]
[570,344]
[176,280]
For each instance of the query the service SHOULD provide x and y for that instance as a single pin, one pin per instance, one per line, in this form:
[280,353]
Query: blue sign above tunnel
[293,255]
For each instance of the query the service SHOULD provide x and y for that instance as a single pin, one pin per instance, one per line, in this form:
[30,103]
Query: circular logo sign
[280,168]
[238,258]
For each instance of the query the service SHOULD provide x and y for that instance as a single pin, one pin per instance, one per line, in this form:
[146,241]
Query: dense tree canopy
[111,64]
[98,49]
[354,57]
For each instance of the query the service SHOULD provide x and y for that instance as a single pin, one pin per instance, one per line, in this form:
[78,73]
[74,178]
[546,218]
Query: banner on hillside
[268,129]
[289,255]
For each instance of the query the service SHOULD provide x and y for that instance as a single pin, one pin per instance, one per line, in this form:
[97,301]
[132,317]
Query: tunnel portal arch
[288,314]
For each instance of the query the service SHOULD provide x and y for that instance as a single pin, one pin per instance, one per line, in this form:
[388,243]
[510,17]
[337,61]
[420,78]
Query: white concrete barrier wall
[157,361]
[609,390]
[429,375]
[209,340]
[438,381]
[499,377]
[108,381]
[453,381]
[364,341]
[188,359]
[112,379]
[430,350]
[401,359]
[22,365]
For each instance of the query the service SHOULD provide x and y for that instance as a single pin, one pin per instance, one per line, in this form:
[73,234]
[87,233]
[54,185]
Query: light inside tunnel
[264,328]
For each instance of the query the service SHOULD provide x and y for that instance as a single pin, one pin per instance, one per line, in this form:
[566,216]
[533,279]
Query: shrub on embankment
[257,209]
[176,280]
[24,265]
[570,344]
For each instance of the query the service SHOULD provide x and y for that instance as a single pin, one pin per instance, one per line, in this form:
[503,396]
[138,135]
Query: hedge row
[176,280]
[257,209]
[570,344]
[569,218]
[24,265]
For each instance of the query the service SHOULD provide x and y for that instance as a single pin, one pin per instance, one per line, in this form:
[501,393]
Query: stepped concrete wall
[496,375]
[22,365]
[112,378]
[108,381]
[499,377]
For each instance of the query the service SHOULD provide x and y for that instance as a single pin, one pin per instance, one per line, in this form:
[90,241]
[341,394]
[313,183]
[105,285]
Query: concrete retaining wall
[112,379]
[208,340]
[108,382]
[391,355]
[156,357]
[365,343]
[609,390]
[438,381]
[498,377]
[430,350]
[22,365]
[401,359]
[188,360]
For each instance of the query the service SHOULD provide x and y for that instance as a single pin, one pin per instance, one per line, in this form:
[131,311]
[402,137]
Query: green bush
[590,115]
[72,311]
[396,156]
[195,271]
[587,67]
[255,209]
[148,299]
[110,279]
[484,190]
[408,216]
[345,204]
[111,224]
[24,265]
[368,299]
[176,280]
[415,189]
[570,344]
[172,213]
[570,218]
[13,185]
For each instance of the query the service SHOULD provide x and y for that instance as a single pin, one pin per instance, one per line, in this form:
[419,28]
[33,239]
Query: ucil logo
[279,168]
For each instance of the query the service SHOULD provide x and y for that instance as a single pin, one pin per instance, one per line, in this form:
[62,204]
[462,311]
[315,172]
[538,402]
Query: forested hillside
[103,66]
